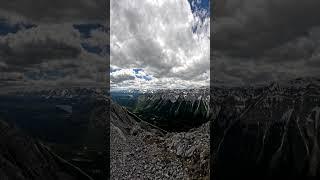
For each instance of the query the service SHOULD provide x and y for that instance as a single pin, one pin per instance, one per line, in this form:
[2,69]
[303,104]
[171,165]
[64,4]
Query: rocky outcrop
[192,148]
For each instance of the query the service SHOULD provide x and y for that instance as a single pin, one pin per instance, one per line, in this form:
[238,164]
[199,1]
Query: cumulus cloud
[264,40]
[164,38]
[49,54]
[122,75]
[41,43]
[32,46]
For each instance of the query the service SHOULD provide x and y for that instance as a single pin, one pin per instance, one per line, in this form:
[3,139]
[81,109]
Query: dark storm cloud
[40,45]
[265,40]
[48,11]
[248,28]
[36,45]
[300,48]
[49,54]
[31,54]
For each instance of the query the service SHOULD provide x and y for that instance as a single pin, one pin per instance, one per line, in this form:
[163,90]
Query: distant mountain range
[268,131]
[74,92]
[171,109]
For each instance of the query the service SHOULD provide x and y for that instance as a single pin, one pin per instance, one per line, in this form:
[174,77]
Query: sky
[53,43]
[159,44]
[259,41]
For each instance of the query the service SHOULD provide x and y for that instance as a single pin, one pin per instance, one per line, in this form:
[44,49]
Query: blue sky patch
[85,29]
[6,28]
[198,5]
[136,70]
[200,8]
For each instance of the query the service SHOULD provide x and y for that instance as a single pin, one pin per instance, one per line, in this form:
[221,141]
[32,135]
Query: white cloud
[122,75]
[158,37]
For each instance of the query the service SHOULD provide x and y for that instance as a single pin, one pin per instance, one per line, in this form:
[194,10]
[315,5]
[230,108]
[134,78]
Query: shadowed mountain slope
[276,134]
[23,158]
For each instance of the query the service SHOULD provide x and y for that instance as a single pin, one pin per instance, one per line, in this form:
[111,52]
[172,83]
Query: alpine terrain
[160,134]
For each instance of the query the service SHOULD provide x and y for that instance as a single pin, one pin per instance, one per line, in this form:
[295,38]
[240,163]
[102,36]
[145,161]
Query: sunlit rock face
[276,134]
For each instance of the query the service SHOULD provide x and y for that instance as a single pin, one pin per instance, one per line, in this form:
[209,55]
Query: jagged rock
[193,148]
[190,152]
